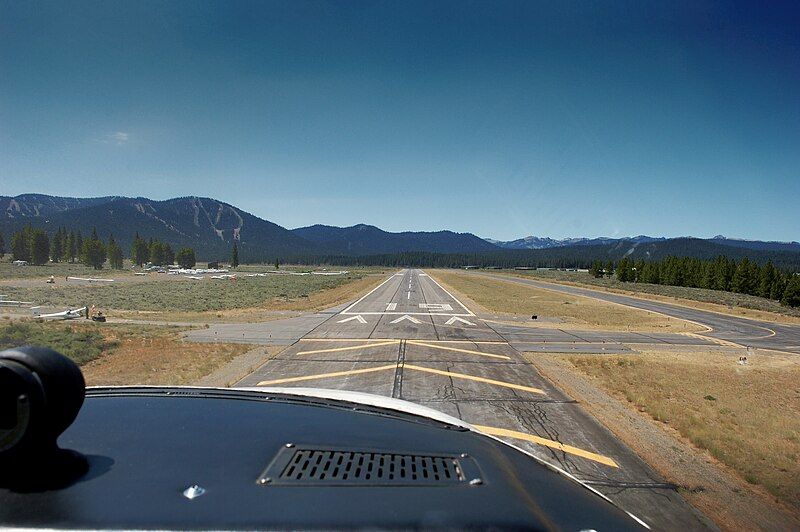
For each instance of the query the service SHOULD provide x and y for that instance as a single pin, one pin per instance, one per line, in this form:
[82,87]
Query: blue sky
[502,119]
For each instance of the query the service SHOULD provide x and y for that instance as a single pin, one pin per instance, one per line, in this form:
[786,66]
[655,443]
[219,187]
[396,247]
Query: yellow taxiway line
[326,375]
[348,348]
[458,350]
[473,378]
[374,340]
[494,431]
[411,367]
[377,340]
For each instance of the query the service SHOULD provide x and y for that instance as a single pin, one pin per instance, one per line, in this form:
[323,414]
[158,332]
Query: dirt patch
[564,311]
[238,368]
[716,488]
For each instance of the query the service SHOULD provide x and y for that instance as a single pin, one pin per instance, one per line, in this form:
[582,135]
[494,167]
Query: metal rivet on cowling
[193,491]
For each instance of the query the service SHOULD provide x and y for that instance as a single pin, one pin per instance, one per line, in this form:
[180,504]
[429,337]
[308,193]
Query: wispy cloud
[119,138]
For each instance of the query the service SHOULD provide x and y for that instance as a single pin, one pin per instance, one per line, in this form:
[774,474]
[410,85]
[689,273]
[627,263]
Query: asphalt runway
[725,328]
[411,339]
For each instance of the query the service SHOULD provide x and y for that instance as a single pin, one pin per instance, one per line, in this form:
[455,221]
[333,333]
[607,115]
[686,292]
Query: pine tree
[115,258]
[156,252]
[277,264]
[57,246]
[93,253]
[169,255]
[78,244]
[740,282]
[624,273]
[235,256]
[778,286]
[609,269]
[20,246]
[186,258]
[765,279]
[40,247]
[140,252]
[71,248]
[2,246]
[791,294]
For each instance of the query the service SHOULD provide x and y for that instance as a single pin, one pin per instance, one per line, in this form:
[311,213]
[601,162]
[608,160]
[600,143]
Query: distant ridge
[211,226]
[534,242]
[364,239]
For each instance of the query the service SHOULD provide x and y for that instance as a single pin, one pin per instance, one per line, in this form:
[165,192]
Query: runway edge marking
[451,295]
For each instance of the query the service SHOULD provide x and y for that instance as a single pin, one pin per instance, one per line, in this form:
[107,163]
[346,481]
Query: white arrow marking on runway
[358,318]
[405,317]
[455,319]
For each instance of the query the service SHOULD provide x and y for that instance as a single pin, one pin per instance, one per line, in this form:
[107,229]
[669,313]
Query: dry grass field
[578,312]
[158,358]
[747,417]
[176,298]
[114,354]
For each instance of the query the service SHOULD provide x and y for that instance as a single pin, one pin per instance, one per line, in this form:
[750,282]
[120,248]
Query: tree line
[36,247]
[742,277]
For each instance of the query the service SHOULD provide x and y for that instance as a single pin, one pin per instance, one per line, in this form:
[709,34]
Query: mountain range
[211,226]
[535,242]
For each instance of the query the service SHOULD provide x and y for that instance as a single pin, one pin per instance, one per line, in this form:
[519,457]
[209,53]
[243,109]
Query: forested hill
[207,225]
[211,226]
[564,257]
[364,239]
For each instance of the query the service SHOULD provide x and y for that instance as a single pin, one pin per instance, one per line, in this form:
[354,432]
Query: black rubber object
[41,393]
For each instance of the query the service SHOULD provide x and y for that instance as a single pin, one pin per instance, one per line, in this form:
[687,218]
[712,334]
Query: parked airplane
[69,314]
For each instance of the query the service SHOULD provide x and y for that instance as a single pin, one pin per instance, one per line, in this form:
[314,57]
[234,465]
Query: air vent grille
[305,466]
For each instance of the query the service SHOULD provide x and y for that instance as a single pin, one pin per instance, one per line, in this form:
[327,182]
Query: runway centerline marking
[327,375]
[494,431]
[456,349]
[348,348]
[474,378]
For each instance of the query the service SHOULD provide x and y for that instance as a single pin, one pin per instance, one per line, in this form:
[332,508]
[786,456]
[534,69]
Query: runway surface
[411,339]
